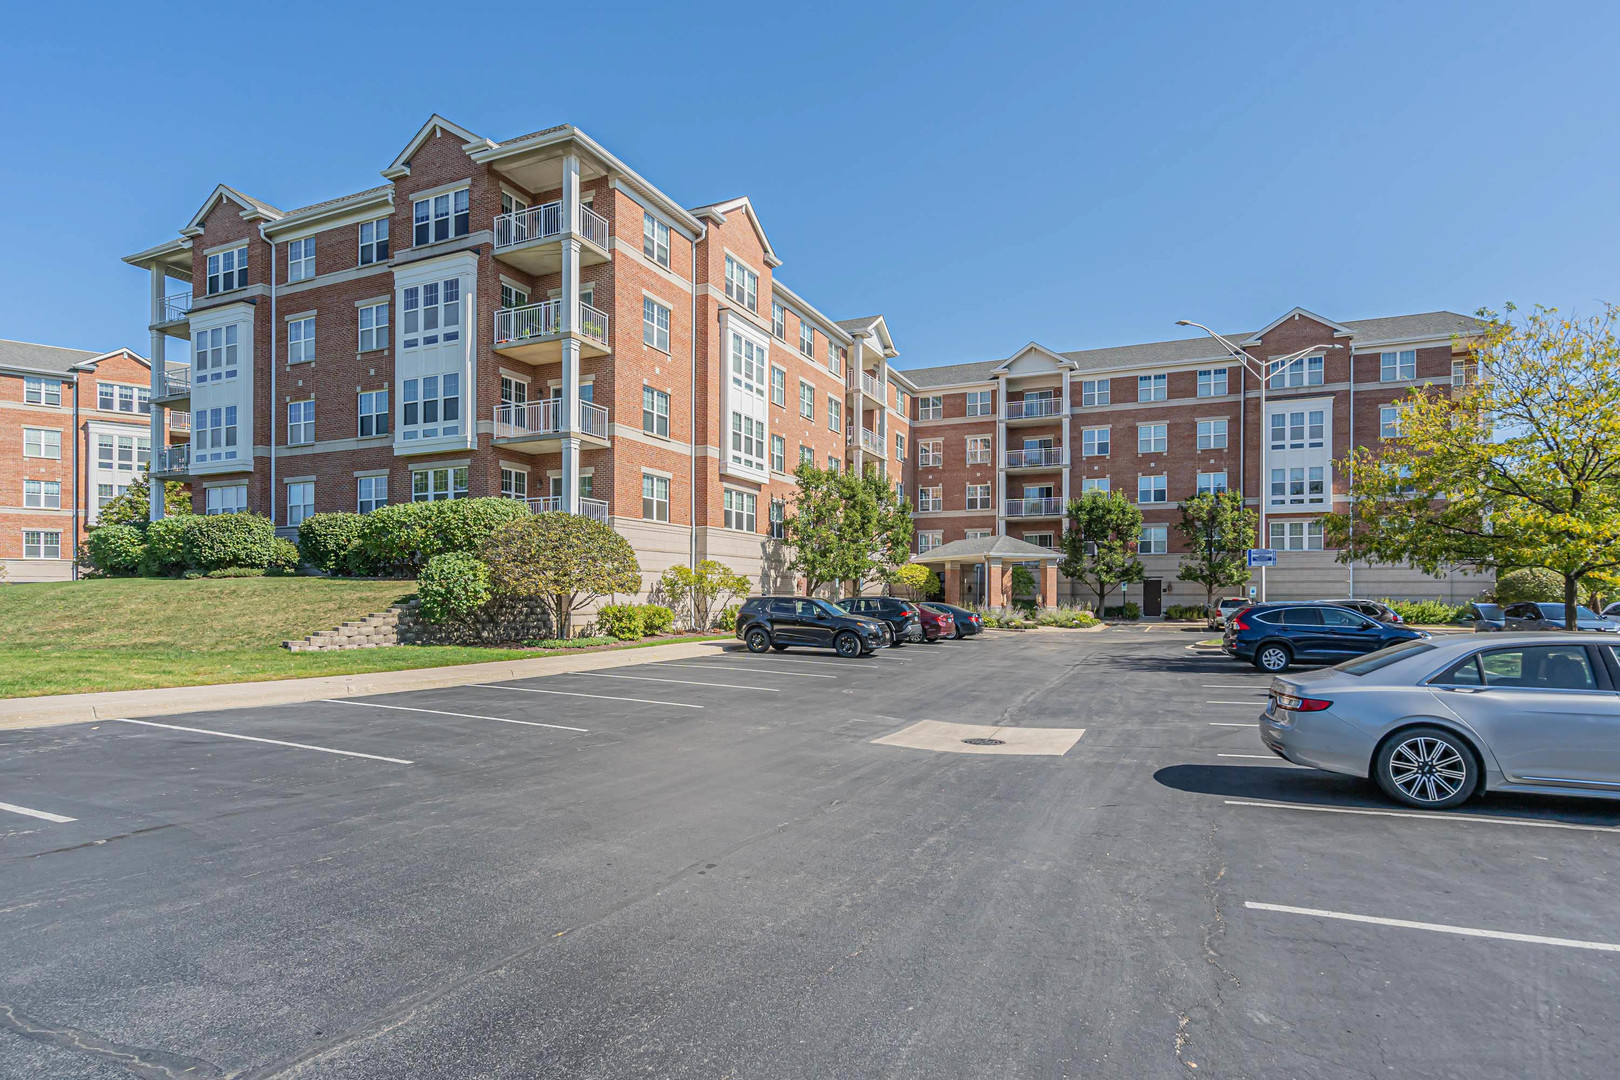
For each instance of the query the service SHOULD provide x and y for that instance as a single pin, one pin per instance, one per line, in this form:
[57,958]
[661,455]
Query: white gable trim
[1339,329]
[401,164]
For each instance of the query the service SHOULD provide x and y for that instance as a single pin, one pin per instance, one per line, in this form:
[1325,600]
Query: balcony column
[1066,457]
[568,323]
[1001,456]
[159,348]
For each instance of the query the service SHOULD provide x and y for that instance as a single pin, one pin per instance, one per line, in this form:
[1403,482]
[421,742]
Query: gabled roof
[988,547]
[1038,350]
[251,207]
[874,326]
[28,356]
[401,165]
[1339,330]
[717,212]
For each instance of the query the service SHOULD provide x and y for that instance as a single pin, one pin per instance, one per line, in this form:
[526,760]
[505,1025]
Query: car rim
[1427,769]
[758,640]
[848,646]
[1273,659]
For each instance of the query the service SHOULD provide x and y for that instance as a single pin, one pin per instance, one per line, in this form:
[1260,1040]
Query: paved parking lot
[712,868]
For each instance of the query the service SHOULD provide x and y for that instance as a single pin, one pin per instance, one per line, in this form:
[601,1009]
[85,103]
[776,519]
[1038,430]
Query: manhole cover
[985,742]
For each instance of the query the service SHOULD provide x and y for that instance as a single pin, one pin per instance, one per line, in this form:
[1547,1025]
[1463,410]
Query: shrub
[727,619]
[1186,611]
[1067,618]
[1426,611]
[166,545]
[620,621]
[565,561]
[233,572]
[115,549]
[1130,611]
[283,556]
[695,590]
[1531,583]
[452,585]
[324,540]
[402,537]
[656,619]
[226,540]
[569,643]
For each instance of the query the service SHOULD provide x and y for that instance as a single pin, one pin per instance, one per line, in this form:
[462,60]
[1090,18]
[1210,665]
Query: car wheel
[758,640]
[1427,767]
[779,648]
[848,645]
[1273,658]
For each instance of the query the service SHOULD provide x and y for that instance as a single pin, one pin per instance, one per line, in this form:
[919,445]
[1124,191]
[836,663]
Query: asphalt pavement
[708,867]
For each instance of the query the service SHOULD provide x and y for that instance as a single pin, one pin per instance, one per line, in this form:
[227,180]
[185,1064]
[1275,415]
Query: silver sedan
[1435,722]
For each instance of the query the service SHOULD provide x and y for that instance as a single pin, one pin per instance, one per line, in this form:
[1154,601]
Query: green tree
[1520,468]
[565,561]
[1219,529]
[917,578]
[700,591]
[134,508]
[846,527]
[1099,545]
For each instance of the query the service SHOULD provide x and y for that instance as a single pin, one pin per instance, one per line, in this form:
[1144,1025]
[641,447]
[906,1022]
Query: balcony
[172,460]
[537,426]
[1034,508]
[871,387]
[595,509]
[1038,408]
[871,442]
[173,384]
[1044,457]
[532,239]
[534,333]
[179,425]
[175,317]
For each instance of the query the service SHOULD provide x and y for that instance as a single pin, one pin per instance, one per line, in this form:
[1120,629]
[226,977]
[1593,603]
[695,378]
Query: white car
[1227,606]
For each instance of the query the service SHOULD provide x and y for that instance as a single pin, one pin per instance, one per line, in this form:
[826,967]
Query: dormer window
[227,270]
[440,217]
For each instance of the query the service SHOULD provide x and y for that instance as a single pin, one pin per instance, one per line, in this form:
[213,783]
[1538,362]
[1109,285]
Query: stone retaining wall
[499,622]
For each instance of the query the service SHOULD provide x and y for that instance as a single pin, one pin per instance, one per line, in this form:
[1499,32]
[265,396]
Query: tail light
[1238,623]
[1301,704]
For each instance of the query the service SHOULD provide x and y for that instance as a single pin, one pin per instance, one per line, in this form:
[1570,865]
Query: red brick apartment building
[1002,445]
[529,318]
[75,430]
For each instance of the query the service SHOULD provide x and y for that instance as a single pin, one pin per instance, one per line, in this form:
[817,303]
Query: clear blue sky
[1079,174]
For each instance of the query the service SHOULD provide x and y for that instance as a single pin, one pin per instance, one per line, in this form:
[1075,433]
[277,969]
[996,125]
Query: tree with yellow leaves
[1519,468]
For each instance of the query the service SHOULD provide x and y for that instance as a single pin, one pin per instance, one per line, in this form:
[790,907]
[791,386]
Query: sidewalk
[55,709]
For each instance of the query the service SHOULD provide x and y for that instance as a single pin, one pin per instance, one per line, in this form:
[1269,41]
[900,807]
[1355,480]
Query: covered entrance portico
[978,573]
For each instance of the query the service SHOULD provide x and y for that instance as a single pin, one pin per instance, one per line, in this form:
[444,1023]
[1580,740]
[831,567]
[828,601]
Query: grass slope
[133,633]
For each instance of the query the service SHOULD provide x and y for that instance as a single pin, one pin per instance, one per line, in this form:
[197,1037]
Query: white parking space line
[1438,928]
[1219,723]
[464,716]
[1227,686]
[15,809]
[571,693]
[762,670]
[755,659]
[1256,701]
[1455,819]
[272,742]
[682,682]
[1258,757]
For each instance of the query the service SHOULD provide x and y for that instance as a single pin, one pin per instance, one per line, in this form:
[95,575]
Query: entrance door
[1151,603]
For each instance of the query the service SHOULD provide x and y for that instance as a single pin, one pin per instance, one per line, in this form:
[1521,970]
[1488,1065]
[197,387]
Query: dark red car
[936,624]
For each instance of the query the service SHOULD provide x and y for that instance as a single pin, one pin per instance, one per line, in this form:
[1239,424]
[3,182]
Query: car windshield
[1556,611]
[828,608]
[1232,602]
[1366,665]
[1489,611]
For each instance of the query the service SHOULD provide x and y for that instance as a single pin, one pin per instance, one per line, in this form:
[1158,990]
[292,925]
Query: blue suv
[1273,636]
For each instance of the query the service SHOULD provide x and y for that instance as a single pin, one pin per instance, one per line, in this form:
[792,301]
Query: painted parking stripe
[1438,928]
[1256,701]
[464,716]
[1219,723]
[1230,686]
[272,742]
[762,670]
[814,663]
[1455,819]
[570,693]
[1259,757]
[682,682]
[26,812]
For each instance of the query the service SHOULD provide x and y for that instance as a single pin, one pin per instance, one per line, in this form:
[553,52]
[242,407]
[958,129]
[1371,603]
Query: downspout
[692,559]
[76,436]
[1350,467]
[270,424]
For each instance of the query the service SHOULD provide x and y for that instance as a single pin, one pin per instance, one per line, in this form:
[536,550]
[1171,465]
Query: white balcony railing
[544,222]
[176,307]
[1038,456]
[552,504]
[871,441]
[544,319]
[545,417]
[170,460]
[1040,406]
[176,379]
[179,421]
[871,386]
[1047,507]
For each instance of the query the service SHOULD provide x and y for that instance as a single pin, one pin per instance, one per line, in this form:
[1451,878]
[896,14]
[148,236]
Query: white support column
[159,347]
[852,382]
[1067,454]
[569,322]
[1000,459]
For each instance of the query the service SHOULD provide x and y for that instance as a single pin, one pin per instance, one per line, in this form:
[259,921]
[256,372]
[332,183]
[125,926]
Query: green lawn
[133,633]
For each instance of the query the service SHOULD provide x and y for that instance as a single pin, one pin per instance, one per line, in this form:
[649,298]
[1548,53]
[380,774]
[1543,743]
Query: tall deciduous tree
[1520,468]
[1219,529]
[563,560]
[1099,545]
[846,527]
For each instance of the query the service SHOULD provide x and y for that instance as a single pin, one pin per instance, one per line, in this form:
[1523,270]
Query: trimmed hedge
[115,549]
[569,643]
[1532,583]
[1130,611]
[219,541]
[628,622]
[400,538]
[452,585]
[1186,611]
[1432,612]
[324,540]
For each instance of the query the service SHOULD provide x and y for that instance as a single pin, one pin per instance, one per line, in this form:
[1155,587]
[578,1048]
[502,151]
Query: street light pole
[1263,372]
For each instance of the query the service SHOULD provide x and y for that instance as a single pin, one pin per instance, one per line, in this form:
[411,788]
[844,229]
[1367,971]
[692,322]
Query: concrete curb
[57,709]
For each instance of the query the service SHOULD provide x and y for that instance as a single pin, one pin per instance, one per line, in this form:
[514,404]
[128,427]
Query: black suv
[901,616]
[775,622]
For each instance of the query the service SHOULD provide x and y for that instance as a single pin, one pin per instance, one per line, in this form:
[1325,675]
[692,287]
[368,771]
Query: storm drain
[985,742]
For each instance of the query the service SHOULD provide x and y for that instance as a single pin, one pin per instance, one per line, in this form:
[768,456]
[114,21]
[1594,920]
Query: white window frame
[931,407]
[1152,484]
[1296,535]
[304,491]
[654,324]
[1153,540]
[980,403]
[1095,442]
[301,422]
[807,399]
[930,453]
[450,207]
[978,496]
[654,411]
[929,539]
[1389,421]
[1152,438]
[1095,483]
[371,405]
[1308,371]
[226,270]
[45,442]
[835,410]
[1397,366]
[778,454]
[370,492]
[373,242]
[741,510]
[301,340]
[979,449]
[1210,483]
[1153,387]
[442,482]
[514,482]
[1212,382]
[38,390]
[42,494]
[807,339]
[930,499]
[778,386]
[373,327]
[654,240]
[37,545]
[300,259]
[742,284]
[1094,392]
[1212,434]
[226,499]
